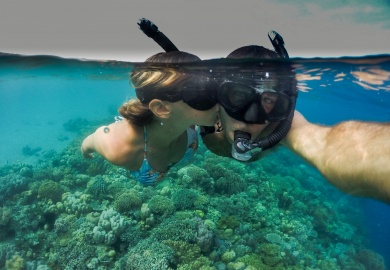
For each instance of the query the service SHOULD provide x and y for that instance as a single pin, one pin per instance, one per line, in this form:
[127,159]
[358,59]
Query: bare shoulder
[119,141]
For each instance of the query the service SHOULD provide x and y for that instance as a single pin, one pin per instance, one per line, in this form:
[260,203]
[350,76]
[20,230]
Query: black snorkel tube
[278,43]
[243,147]
[151,30]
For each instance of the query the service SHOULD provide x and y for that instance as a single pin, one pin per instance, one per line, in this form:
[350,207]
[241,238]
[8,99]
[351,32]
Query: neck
[163,135]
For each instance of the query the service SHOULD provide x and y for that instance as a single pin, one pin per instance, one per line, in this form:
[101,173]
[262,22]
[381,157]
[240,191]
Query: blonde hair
[152,81]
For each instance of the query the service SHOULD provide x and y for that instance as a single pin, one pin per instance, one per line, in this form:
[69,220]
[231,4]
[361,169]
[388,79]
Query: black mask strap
[151,30]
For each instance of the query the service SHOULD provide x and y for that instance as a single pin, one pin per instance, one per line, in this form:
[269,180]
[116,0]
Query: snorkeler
[353,155]
[158,128]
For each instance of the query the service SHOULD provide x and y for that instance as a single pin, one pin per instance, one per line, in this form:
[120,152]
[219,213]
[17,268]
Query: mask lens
[275,105]
[235,96]
[246,104]
[200,95]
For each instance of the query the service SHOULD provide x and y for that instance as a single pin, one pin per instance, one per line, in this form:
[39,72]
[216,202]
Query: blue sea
[60,211]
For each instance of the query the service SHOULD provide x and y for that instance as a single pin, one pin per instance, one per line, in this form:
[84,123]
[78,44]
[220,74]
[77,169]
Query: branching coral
[97,166]
[161,205]
[149,255]
[51,190]
[270,254]
[177,230]
[97,186]
[184,199]
[193,176]
[228,222]
[184,252]
[128,201]
[230,183]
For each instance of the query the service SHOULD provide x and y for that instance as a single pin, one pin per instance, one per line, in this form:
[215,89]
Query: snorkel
[243,147]
[151,30]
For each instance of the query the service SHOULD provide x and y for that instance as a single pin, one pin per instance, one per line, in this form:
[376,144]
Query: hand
[86,154]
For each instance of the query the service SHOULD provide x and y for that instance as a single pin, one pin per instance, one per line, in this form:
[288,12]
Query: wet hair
[252,51]
[151,79]
[286,82]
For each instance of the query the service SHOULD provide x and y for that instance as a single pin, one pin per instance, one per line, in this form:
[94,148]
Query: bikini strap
[145,141]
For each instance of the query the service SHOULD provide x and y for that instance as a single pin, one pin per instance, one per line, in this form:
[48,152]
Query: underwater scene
[59,210]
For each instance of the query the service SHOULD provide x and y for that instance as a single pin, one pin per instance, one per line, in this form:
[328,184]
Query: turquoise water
[216,213]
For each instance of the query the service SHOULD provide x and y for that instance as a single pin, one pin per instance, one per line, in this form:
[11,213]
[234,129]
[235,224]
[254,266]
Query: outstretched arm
[354,156]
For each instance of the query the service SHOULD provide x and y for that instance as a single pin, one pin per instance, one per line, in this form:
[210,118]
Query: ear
[160,108]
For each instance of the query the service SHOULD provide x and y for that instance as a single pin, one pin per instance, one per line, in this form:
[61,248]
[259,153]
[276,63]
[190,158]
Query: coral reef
[191,176]
[184,199]
[149,255]
[160,205]
[5,216]
[66,212]
[51,190]
[97,167]
[12,183]
[97,186]
[111,225]
[204,236]
[128,201]
[370,260]
[76,204]
[230,183]
[177,229]
[228,222]
[15,263]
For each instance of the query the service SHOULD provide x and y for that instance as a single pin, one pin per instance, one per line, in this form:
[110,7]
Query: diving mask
[253,105]
[200,94]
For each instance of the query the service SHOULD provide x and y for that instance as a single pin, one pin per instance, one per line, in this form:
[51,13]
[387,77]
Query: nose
[253,114]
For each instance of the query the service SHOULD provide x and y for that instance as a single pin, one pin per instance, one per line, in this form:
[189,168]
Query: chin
[231,138]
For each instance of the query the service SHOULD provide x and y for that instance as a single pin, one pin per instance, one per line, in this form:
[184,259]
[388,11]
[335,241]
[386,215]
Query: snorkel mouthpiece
[242,141]
[243,147]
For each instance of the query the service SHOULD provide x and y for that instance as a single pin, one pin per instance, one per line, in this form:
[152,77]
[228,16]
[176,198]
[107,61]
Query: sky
[108,30]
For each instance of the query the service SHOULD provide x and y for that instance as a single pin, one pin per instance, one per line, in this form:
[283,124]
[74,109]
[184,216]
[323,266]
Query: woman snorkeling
[157,130]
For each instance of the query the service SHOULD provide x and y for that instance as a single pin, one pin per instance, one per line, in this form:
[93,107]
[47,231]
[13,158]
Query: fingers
[88,156]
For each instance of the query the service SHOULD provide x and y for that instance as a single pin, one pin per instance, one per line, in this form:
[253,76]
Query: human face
[230,125]
[189,116]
